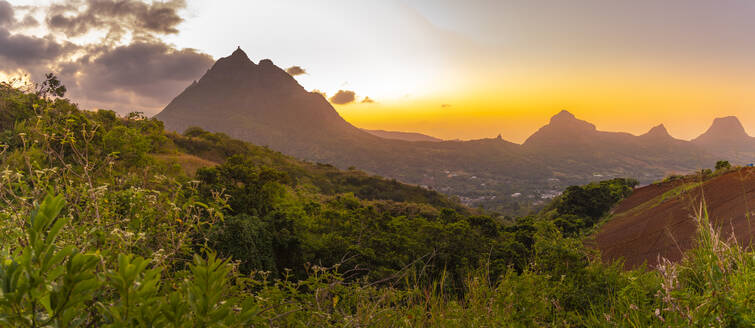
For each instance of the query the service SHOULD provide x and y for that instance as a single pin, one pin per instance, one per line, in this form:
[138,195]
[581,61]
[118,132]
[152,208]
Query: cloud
[7,17]
[140,72]
[445,105]
[368,100]
[118,17]
[295,70]
[28,21]
[144,73]
[343,97]
[22,50]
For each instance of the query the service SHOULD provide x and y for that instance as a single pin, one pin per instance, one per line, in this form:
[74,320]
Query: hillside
[657,220]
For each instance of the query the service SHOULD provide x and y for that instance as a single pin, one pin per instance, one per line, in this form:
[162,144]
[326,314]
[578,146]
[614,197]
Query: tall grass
[712,286]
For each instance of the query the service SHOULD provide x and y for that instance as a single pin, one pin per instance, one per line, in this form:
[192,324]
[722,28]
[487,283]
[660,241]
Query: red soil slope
[658,220]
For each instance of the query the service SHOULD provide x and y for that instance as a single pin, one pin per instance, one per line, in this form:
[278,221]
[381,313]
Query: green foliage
[127,144]
[592,201]
[246,238]
[723,165]
[42,284]
[580,208]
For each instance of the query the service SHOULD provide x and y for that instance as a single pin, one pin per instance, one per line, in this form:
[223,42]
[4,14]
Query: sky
[452,69]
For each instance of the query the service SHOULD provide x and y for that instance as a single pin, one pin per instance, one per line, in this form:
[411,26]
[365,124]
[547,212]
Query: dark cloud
[343,97]
[295,70]
[144,74]
[77,17]
[445,105]
[23,50]
[150,73]
[368,100]
[7,17]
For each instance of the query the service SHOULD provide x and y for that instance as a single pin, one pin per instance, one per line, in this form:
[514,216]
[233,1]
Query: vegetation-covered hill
[109,221]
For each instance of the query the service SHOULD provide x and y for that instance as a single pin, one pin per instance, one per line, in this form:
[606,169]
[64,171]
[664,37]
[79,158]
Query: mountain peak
[260,103]
[563,115]
[239,53]
[563,128]
[658,131]
[724,128]
[566,120]
[728,123]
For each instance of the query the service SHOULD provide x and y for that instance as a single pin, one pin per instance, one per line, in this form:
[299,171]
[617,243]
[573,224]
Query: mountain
[656,220]
[574,148]
[262,104]
[727,139]
[406,136]
[657,134]
[563,129]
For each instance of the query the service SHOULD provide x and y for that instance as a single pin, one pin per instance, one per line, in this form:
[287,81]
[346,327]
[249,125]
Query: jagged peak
[237,59]
[565,118]
[563,115]
[239,53]
[658,131]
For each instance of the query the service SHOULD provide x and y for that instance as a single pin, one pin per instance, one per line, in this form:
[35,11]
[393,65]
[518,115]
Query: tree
[722,165]
[51,87]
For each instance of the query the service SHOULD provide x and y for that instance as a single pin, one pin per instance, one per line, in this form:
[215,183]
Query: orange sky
[614,99]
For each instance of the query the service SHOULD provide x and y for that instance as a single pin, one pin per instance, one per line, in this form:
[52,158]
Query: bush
[723,165]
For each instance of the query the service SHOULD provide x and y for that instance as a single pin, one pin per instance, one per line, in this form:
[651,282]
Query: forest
[110,221]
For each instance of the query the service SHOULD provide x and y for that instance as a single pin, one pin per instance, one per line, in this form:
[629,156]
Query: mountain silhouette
[563,128]
[727,139]
[657,134]
[262,104]
[576,148]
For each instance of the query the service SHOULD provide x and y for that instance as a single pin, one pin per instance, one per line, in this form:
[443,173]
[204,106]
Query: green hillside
[109,221]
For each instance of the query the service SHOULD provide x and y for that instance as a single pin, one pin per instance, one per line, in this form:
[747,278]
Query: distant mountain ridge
[406,136]
[262,104]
